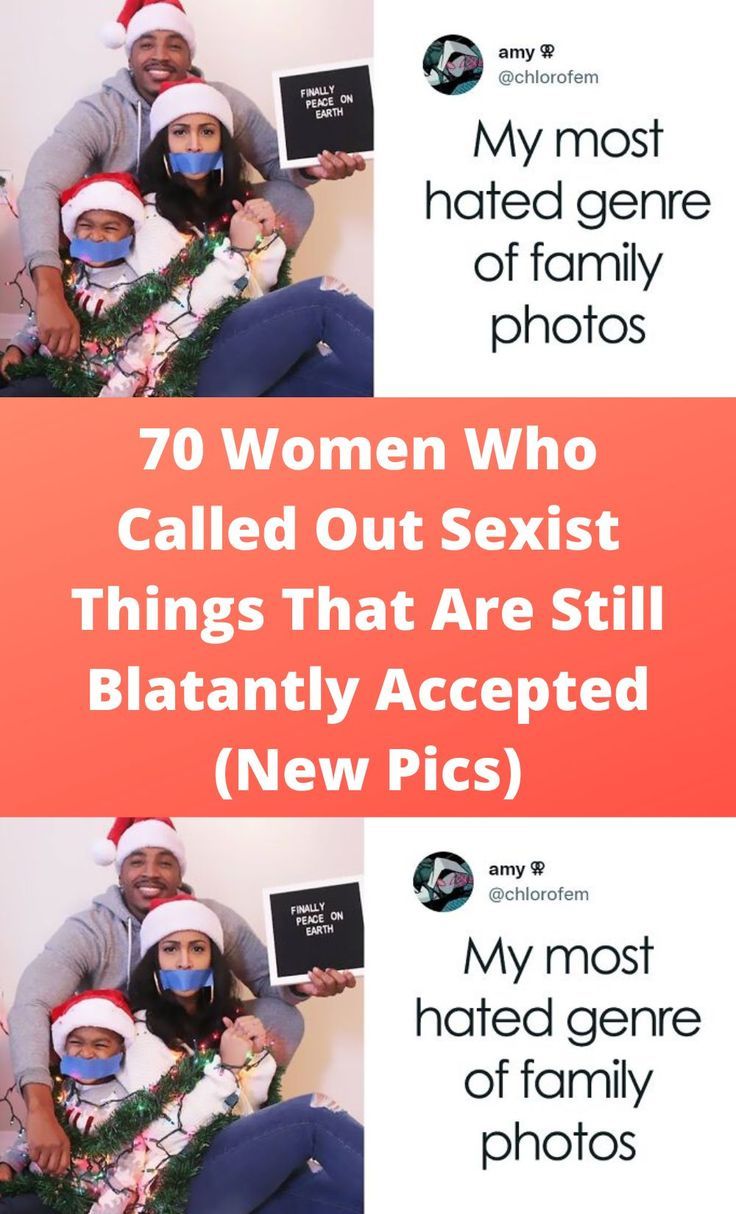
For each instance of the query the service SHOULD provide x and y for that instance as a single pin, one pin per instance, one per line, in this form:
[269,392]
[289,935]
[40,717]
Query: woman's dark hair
[167,1019]
[177,202]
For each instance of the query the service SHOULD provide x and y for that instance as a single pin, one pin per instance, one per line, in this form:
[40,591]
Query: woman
[191,175]
[182,993]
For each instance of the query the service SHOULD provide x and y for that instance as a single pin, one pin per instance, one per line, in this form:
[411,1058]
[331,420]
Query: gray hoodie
[99,948]
[109,131]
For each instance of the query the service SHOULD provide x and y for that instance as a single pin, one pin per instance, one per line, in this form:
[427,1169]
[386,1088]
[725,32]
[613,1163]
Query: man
[100,947]
[108,131]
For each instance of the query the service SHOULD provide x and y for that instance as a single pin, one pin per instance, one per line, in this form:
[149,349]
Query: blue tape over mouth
[185,980]
[86,1070]
[195,162]
[101,250]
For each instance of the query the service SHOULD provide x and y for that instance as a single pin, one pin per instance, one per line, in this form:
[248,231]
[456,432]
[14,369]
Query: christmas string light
[100,1156]
[181,372]
[150,292]
[25,304]
[13,1118]
[109,334]
[141,1108]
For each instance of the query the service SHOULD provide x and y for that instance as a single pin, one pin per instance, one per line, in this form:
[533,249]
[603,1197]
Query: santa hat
[102,192]
[180,914]
[92,1009]
[139,17]
[189,96]
[131,834]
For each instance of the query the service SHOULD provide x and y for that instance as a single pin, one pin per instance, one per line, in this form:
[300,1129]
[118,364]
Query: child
[100,216]
[90,1033]
[95,1061]
[103,217]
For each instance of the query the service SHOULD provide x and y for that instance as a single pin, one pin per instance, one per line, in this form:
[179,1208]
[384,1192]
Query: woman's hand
[12,357]
[244,231]
[6,1172]
[243,1037]
[262,213]
[251,1029]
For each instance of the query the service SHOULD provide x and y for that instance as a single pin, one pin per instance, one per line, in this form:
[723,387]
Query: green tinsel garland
[139,1109]
[171,1186]
[284,275]
[170,1196]
[180,377]
[71,378]
[182,366]
[119,322]
[55,1192]
[148,294]
[134,1114]
[274,1089]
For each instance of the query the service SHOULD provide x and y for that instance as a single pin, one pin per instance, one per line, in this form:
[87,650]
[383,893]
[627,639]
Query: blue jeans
[23,1203]
[258,1163]
[315,374]
[35,385]
[267,346]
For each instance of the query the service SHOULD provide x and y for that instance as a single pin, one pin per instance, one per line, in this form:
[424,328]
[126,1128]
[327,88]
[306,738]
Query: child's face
[195,133]
[101,226]
[93,1043]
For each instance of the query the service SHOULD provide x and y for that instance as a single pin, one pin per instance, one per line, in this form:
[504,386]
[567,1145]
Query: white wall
[53,55]
[47,873]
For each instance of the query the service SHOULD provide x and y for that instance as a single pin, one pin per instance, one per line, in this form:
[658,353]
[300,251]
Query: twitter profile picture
[452,64]
[443,881]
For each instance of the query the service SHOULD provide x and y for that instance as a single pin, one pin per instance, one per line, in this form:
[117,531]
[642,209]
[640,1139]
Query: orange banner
[440,638]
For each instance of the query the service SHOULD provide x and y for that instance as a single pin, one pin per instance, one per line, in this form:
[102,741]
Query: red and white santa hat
[101,192]
[189,96]
[139,17]
[92,1009]
[131,834]
[180,914]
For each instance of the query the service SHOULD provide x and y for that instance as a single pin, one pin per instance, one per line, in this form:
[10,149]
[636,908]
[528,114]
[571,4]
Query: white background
[671,879]
[654,59]
[48,873]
